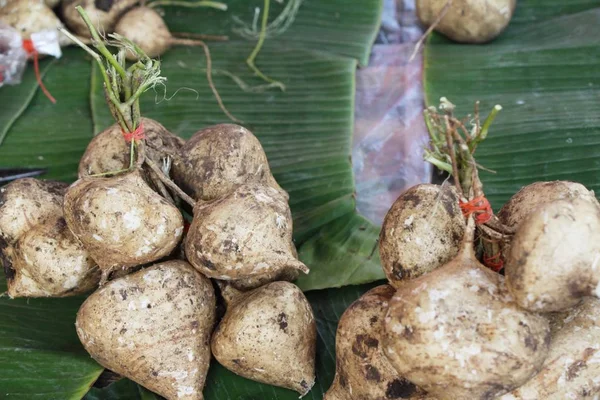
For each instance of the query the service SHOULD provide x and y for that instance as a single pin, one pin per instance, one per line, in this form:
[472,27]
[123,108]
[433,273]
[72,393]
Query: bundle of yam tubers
[449,326]
[119,230]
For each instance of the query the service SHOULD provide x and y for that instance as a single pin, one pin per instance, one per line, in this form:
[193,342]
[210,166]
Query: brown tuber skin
[223,241]
[269,335]
[572,369]
[103,14]
[458,334]
[422,231]
[362,370]
[41,257]
[535,195]
[109,152]
[283,274]
[146,28]
[218,159]
[468,21]
[48,261]
[121,221]
[154,328]
[554,258]
[27,202]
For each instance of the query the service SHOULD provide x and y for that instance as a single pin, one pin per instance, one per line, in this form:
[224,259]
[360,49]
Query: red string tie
[30,49]
[480,207]
[495,262]
[137,134]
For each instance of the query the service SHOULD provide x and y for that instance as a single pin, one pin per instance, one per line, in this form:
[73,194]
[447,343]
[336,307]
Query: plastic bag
[13,57]
[390,133]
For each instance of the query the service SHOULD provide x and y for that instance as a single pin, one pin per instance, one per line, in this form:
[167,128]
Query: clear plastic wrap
[13,57]
[389,132]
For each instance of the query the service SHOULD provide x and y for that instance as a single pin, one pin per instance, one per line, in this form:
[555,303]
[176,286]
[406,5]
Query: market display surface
[185,260]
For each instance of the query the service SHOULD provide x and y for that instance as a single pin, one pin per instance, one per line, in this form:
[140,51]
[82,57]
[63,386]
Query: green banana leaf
[122,389]
[544,72]
[40,354]
[328,306]
[306,132]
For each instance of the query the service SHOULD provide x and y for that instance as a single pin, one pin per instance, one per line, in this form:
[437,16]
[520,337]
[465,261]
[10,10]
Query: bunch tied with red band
[137,134]
[479,207]
[30,49]
[495,262]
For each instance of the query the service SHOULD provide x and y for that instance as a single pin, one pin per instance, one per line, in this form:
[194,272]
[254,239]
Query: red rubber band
[28,46]
[137,134]
[186,227]
[480,207]
[495,262]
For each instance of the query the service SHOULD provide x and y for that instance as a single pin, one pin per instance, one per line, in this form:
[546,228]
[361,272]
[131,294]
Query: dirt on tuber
[554,257]
[223,240]
[218,159]
[27,202]
[109,151]
[572,369]
[121,221]
[422,231]
[154,328]
[362,370]
[457,332]
[269,335]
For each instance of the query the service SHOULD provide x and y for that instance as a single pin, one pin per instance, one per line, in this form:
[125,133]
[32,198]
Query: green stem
[204,3]
[258,47]
[136,95]
[107,82]
[488,121]
[482,134]
[444,166]
[99,43]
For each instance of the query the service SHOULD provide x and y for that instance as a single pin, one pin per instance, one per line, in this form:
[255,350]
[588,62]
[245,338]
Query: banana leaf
[543,71]
[306,132]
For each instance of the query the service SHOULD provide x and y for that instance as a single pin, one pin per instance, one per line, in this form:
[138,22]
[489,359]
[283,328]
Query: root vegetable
[422,231]
[146,28]
[121,221]
[457,333]
[269,335]
[31,16]
[109,151]
[218,159]
[288,274]
[467,21]
[48,261]
[154,328]
[27,202]
[537,194]
[572,369]
[283,274]
[362,370]
[554,258]
[247,233]
[103,14]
